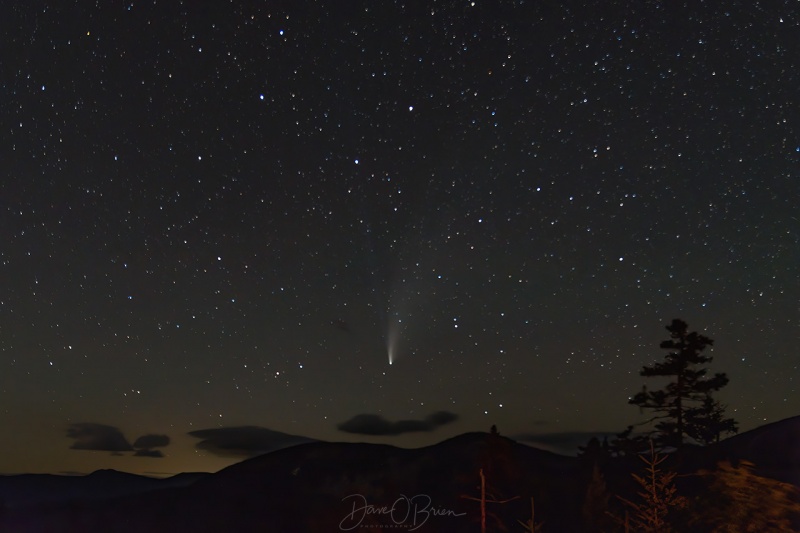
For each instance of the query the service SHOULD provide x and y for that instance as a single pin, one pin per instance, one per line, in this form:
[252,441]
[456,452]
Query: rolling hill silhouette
[321,486]
[774,449]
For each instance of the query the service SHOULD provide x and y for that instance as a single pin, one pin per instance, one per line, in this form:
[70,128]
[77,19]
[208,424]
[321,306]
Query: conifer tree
[657,497]
[595,503]
[707,423]
[685,408]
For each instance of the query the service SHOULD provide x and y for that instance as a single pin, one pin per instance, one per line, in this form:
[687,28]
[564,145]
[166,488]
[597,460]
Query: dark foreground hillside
[321,486]
[327,487]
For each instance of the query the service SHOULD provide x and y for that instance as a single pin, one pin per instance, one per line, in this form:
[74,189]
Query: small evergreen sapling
[657,498]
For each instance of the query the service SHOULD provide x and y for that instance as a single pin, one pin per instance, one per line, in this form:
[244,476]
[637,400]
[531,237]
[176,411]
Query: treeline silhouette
[654,480]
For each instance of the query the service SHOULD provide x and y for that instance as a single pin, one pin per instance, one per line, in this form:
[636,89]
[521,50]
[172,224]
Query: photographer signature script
[412,512]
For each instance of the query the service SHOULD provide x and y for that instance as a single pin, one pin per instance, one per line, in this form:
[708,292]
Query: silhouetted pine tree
[627,444]
[595,504]
[707,423]
[685,407]
[594,453]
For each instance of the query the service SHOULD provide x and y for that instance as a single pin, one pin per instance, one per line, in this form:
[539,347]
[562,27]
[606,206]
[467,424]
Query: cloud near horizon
[372,424]
[151,441]
[144,452]
[105,438]
[244,441]
[97,437]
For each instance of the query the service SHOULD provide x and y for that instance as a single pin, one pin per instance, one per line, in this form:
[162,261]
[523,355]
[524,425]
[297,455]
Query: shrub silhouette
[741,501]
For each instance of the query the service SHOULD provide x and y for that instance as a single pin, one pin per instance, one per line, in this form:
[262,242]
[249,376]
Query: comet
[390,349]
[392,337]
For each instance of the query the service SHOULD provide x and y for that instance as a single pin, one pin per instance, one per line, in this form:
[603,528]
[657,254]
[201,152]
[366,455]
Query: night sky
[220,214]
